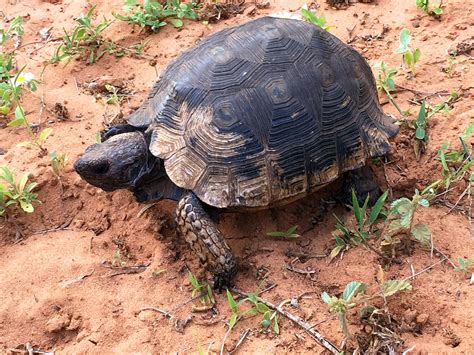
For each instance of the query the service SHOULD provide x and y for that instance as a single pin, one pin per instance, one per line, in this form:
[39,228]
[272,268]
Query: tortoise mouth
[118,163]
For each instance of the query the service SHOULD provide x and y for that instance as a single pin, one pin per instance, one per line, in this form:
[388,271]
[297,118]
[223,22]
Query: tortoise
[253,116]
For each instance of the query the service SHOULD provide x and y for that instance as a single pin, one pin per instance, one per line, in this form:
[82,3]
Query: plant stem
[34,139]
[392,100]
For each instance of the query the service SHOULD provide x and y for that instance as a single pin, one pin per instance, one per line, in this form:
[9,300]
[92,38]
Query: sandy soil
[46,298]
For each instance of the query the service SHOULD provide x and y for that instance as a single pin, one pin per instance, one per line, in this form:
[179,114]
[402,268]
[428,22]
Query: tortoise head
[119,162]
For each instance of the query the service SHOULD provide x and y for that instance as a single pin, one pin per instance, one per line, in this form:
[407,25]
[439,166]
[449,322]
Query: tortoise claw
[222,281]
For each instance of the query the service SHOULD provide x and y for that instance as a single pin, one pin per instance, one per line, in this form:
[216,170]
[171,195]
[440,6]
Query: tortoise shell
[264,112]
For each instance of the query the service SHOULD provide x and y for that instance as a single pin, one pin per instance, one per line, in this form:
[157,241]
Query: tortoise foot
[205,240]
[364,184]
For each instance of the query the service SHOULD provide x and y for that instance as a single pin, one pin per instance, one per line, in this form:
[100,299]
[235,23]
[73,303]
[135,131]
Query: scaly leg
[205,239]
[363,182]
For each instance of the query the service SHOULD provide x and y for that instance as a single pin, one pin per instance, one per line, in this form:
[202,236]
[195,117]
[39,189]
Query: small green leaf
[377,207]
[232,303]
[290,233]
[424,202]
[357,211]
[262,308]
[437,10]
[26,206]
[325,297]
[422,233]
[45,134]
[17,122]
[276,327]
[391,287]
[265,323]
[408,59]
[420,133]
[352,289]
[176,22]
[233,320]
[416,55]
[335,252]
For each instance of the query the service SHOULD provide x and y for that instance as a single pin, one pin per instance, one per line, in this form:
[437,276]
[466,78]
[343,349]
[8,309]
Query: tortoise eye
[101,168]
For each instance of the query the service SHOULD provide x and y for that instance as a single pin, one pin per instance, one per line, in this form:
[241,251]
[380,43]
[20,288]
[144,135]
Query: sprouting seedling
[113,98]
[464,265]
[316,20]
[420,123]
[290,233]
[433,10]
[359,235]
[354,294]
[117,258]
[410,57]
[403,210]
[257,307]
[203,291]
[385,82]
[59,161]
[455,164]
[13,192]
[20,118]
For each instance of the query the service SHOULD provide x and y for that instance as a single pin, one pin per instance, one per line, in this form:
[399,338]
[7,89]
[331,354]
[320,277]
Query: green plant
[359,235]
[290,233]
[410,56]
[257,307]
[154,14]
[455,164]
[13,192]
[117,259]
[444,105]
[59,161]
[85,38]
[36,140]
[11,82]
[88,39]
[385,82]
[319,21]
[464,265]
[403,211]
[113,97]
[354,295]
[433,10]
[202,290]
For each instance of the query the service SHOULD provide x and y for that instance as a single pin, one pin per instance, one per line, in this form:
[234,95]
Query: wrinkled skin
[121,162]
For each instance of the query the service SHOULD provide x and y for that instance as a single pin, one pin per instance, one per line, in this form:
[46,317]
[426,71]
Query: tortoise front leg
[205,240]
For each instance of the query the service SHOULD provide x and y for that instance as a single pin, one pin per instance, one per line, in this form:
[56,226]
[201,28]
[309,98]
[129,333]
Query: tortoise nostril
[101,168]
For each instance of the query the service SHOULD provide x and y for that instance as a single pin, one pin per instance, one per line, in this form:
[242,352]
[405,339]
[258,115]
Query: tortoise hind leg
[363,182]
[205,240]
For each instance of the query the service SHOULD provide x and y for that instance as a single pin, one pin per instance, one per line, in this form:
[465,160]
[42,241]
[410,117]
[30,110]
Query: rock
[410,315]
[58,322]
[422,318]
[147,316]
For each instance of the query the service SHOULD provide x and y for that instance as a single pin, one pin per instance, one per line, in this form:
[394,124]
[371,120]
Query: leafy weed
[316,20]
[153,14]
[345,236]
[354,295]
[433,10]
[410,56]
[16,193]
